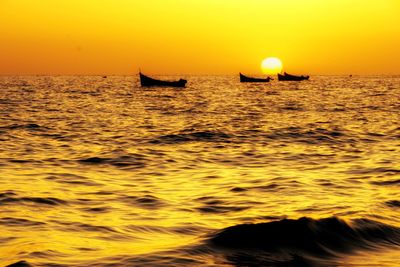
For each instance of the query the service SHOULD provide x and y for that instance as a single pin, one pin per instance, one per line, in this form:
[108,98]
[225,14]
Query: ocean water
[100,172]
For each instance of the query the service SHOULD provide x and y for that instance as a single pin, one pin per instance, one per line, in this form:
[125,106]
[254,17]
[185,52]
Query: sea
[97,171]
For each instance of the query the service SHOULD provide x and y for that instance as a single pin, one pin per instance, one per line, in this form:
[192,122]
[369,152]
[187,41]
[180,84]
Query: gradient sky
[198,36]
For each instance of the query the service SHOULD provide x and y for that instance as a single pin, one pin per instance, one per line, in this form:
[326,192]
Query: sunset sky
[199,36]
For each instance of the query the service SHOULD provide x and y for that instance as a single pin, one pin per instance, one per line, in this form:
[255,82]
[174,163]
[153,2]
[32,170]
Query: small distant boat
[245,79]
[288,77]
[147,81]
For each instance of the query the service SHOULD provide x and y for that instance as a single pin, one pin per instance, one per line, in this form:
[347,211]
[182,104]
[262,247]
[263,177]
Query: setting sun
[271,65]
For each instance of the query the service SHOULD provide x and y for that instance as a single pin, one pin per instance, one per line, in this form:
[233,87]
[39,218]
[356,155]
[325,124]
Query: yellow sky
[198,36]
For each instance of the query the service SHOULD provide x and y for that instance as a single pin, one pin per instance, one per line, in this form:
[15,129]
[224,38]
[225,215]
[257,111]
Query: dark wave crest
[393,203]
[133,161]
[20,264]
[200,136]
[11,198]
[304,238]
[307,135]
[28,126]
[312,135]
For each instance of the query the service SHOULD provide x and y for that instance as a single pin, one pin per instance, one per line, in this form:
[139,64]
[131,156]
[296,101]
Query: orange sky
[198,36]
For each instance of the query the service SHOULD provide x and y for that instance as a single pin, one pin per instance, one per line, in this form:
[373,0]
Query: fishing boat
[146,81]
[245,79]
[288,77]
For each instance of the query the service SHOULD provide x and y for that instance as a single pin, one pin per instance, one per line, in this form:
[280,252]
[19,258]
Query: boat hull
[289,77]
[146,81]
[245,79]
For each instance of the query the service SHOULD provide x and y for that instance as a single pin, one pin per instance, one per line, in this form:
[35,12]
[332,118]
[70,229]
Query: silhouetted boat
[245,79]
[147,81]
[288,77]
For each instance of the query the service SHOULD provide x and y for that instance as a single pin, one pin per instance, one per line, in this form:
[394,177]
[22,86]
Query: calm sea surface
[100,172]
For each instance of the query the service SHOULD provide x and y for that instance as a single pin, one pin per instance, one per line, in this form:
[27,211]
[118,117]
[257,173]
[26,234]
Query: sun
[271,65]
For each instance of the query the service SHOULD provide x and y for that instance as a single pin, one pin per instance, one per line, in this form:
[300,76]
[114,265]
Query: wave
[52,201]
[69,178]
[387,182]
[10,197]
[286,242]
[215,205]
[97,209]
[10,221]
[125,161]
[144,201]
[20,264]
[86,227]
[309,135]
[376,171]
[103,232]
[305,238]
[221,208]
[393,203]
[29,126]
[201,136]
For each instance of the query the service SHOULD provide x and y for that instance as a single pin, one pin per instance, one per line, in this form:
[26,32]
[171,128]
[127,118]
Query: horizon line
[192,74]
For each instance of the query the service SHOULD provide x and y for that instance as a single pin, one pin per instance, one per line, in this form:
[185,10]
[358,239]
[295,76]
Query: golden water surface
[98,171]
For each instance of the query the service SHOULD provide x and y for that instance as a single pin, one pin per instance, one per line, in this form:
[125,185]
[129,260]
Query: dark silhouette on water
[20,264]
[289,77]
[246,79]
[146,81]
[301,240]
